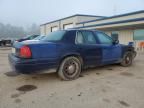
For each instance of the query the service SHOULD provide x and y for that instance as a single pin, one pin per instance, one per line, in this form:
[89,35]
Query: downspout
[59,24]
[45,29]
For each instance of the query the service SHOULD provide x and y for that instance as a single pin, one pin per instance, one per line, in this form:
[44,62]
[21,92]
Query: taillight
[25,52]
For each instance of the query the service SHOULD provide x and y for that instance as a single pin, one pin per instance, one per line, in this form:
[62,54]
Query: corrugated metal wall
[125,36]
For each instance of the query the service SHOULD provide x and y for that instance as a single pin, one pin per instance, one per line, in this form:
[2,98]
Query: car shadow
[101,69]
[53,77]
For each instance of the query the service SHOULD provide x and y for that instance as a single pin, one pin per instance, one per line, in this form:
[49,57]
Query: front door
[110,52]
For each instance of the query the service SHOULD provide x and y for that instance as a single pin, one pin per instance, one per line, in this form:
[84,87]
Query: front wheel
[70,68]
[134,54]
[127,59]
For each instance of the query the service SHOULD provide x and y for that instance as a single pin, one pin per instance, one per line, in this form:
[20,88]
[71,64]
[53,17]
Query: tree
[9,31]
[34,29]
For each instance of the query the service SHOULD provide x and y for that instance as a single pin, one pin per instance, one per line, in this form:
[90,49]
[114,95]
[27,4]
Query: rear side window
[79,38]
[89,37]
[85,37]
[103,38]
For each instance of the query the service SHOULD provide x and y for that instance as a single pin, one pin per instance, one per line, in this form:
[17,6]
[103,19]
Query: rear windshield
[54,36]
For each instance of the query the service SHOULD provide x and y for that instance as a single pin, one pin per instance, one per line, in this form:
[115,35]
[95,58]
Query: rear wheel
[70,68]
[127,59]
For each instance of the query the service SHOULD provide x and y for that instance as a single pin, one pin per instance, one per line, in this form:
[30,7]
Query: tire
[70,68]
[134,54]
[127,59]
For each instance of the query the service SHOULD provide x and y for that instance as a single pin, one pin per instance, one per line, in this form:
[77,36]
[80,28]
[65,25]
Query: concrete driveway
[110,86]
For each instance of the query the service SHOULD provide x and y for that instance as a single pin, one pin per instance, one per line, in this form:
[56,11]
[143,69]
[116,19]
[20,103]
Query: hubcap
[71,69]
[127,59]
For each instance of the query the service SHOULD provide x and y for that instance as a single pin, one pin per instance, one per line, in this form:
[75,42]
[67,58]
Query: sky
[26,12]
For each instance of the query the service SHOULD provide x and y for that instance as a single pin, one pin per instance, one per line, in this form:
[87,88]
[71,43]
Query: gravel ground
[110,86]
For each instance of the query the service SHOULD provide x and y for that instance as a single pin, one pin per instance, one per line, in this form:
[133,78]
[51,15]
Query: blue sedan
[68,52]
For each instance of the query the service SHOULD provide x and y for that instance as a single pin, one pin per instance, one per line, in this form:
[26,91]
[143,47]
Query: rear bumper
[30,66]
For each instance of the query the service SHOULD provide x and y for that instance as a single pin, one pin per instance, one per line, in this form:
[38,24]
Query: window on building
[67,26]
[104,39]
[139,34]
[115,35]
[55,28]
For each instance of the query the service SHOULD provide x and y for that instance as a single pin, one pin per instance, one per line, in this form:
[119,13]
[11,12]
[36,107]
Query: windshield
[30,37]
[54,36]
[39,37]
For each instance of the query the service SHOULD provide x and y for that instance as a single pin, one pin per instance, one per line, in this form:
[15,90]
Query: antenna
[114,9]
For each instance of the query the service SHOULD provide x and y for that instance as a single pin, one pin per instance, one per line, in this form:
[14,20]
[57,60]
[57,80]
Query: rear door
[110,52]
[88,47]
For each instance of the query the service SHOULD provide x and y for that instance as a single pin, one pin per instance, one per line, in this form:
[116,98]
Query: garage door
[54,29]
[67,26]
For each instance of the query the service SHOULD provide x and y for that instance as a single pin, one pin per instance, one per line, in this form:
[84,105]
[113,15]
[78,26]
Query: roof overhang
[116,24]
[113,17]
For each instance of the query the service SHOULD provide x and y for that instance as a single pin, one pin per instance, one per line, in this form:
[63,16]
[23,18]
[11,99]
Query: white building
[65,23]
[126,27]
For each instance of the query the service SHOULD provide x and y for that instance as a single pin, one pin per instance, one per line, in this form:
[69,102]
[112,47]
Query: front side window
[54,36]
[103,38]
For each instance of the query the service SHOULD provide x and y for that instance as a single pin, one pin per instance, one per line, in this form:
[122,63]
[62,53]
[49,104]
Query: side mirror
[116,42]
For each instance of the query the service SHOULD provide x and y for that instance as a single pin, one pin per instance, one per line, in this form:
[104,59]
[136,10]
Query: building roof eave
[132,13]
[71,17]
[111,23]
